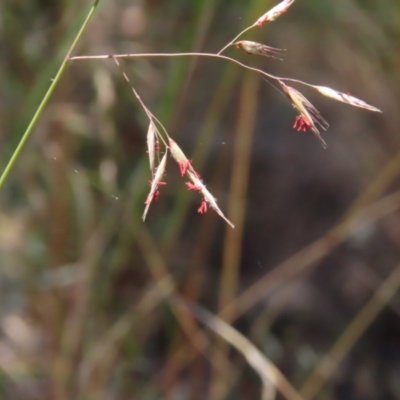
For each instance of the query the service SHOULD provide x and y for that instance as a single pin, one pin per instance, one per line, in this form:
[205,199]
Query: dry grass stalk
[271,377]
[309,118]
[151,145]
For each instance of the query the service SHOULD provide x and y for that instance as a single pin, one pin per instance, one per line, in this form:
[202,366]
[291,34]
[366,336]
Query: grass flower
[155,183]
[309,116]
[191,186]
[203,207]
[208,198]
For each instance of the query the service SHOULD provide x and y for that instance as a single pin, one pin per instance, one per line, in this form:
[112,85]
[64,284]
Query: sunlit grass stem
[235,38]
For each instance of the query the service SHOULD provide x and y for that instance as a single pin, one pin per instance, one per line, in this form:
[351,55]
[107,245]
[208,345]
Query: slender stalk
[149,114]
[235,38]
[46,98]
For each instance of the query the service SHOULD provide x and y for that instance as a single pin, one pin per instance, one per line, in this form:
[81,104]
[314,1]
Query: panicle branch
[196,183]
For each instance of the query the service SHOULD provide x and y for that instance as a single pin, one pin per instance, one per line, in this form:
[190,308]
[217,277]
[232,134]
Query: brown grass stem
[309,256]
[313,253]
[329,363]
[269,374]
[385,177]
[232,252]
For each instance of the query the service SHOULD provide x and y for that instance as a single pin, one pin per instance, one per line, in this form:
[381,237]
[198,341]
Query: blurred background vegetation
[309,275]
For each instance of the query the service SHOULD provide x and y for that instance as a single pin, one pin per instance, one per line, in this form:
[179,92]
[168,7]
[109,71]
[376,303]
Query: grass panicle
[309,118]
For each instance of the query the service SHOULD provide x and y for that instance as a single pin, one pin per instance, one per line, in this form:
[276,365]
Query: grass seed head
[155,183]
[274,12]
[345,98]
[258,48]
[309,117]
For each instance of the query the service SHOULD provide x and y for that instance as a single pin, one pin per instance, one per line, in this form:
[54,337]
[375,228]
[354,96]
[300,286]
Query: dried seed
[209,199]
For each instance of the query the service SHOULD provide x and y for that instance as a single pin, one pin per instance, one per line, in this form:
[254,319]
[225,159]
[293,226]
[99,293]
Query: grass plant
[87,342]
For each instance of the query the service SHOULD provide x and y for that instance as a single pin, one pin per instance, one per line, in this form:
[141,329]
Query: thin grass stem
[149,114]
[235,38]
[46,98]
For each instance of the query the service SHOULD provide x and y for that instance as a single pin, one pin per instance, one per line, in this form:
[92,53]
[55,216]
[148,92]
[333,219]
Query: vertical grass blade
[46,98]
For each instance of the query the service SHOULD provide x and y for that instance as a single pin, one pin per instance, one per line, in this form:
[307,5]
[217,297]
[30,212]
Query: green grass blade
[46,98]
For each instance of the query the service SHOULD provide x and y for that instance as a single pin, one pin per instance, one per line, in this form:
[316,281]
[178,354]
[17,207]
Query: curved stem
[211,55]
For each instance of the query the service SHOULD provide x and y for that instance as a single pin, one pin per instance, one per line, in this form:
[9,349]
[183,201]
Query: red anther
[203,207]
[302,123]
[191,186]
[160,183]
[183,166]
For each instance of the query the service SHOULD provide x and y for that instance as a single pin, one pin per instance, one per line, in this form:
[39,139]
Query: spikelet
[197,184]
[274,12]
[151,145]
[155,183]
[345,98]
[208,197]
[259,49]
[309,115]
